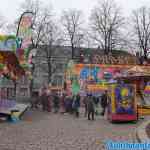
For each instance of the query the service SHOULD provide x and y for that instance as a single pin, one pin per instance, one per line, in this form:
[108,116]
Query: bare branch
[141,21]
[106,21]
[72,24]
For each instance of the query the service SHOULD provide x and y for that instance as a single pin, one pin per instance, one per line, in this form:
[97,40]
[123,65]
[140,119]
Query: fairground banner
[24,31]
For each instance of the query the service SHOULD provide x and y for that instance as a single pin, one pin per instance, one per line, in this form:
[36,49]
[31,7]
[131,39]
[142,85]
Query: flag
[24,31]
[24,34]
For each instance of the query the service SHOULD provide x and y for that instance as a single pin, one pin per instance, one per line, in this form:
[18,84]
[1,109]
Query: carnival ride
[14,64]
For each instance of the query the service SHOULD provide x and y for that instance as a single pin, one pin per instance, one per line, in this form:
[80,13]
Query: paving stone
[62,132]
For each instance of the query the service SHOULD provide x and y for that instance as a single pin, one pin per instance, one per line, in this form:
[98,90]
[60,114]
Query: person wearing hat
[90,107]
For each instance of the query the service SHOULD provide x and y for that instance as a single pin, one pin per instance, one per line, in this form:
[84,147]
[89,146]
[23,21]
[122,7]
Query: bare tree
[141,22]
[72,23]
[51,37]
[106,21]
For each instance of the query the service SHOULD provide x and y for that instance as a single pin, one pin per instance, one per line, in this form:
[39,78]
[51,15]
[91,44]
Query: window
[24,80]
[57,80]
[10,93]
[58,67]
[23,92]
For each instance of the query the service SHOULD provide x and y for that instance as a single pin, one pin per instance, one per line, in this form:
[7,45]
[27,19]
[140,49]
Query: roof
[65,52]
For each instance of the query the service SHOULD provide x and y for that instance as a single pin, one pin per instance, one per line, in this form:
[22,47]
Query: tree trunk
[72,51]
[32,79]
[105,51]
[49,56]
[145,54]
[49,71]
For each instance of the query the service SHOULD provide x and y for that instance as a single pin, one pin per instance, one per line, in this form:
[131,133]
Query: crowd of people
[54,102]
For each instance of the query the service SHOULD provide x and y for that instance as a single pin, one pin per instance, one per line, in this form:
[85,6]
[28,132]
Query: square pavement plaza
[48,131]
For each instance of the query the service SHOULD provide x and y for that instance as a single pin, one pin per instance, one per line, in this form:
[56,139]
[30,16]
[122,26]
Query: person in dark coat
[56,102]
[49,102]
[104,102]
[85,106]
[44,99]
[90,107]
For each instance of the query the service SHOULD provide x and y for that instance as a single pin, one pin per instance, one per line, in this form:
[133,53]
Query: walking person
[90,107]
[62,103]
[49,101]
[85,106]
[76,104]
[44,99]
[104,102]
[56,102]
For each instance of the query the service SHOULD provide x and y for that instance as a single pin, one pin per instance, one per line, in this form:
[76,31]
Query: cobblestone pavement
[47,131]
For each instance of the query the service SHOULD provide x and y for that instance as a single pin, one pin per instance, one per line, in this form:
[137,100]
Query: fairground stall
[140,77]
[122,105]
[96,78]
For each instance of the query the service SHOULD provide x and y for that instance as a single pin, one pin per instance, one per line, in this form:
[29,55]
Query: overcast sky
[10,8]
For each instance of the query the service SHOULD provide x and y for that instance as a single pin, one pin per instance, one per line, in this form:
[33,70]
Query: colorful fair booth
[122,105]
[96,78]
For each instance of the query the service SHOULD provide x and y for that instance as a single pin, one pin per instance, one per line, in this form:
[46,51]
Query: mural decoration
[14,49]
[96,77]
[91,78]
[124,95]
[9,61]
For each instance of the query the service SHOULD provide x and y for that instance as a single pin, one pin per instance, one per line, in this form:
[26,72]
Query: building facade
[60,57]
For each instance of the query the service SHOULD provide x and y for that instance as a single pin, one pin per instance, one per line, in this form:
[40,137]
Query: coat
[104,100]
[90,104]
